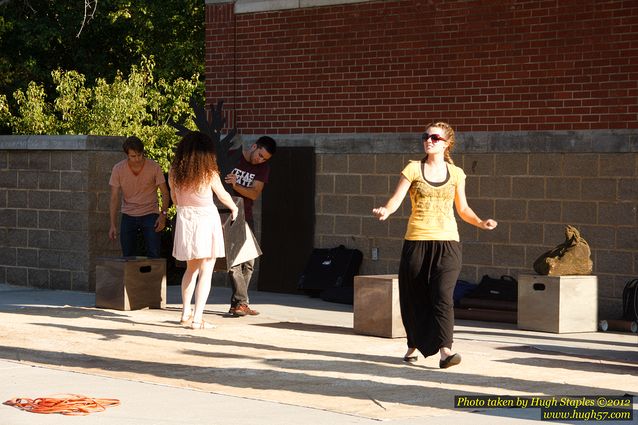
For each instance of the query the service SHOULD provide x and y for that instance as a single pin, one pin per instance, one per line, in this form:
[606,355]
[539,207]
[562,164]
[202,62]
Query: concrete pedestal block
[130,283]
[558,304]
[377,310]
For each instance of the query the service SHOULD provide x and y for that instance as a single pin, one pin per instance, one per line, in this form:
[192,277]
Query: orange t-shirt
[139,192]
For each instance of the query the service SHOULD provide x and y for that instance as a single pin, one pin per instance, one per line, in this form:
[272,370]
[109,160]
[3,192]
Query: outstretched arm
[224,197]
[466,213]
[395,200]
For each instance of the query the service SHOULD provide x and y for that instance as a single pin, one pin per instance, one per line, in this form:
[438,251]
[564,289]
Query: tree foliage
[37,36]
[137,104]
[131,67]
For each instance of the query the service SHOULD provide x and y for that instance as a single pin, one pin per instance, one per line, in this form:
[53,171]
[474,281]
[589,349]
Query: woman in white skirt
[193,178]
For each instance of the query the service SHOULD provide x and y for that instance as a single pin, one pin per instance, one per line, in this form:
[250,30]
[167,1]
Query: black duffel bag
[504,288]
[331,270]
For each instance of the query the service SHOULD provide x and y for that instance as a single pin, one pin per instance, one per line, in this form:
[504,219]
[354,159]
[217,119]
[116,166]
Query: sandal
[202,325]
[410,359]
[186,322]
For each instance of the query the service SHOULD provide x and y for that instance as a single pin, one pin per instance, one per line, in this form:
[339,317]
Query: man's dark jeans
[129,228]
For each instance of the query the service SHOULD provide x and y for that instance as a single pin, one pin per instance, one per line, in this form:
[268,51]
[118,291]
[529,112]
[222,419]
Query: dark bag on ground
[571,257]
[630,301]
[504,288]
[461,290]
[330,273]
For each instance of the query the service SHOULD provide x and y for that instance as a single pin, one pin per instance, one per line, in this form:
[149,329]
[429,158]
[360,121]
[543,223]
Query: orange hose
[65,404]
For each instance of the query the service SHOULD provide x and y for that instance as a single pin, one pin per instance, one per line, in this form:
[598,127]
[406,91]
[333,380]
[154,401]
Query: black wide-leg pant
[427,276]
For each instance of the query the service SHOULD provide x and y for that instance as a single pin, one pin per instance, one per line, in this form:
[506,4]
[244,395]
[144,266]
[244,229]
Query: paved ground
[299,361]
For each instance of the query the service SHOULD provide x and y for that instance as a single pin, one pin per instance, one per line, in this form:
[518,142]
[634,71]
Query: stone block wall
[54,198]
[54,209]
[533,196]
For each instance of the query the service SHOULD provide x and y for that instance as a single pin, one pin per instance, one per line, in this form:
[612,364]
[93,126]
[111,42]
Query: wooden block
[558,304]
[130,283]
[376,306]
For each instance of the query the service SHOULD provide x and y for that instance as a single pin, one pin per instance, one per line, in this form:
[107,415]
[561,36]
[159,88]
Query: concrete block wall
[533,196]
[54,209]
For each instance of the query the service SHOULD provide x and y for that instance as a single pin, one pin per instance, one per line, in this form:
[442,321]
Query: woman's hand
[233,213]
[382,213]
[488,224]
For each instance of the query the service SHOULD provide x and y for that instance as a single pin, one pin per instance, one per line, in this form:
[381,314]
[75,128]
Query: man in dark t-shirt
[247,180]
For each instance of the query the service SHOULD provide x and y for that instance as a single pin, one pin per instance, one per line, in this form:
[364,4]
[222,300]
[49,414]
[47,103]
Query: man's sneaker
[243,310]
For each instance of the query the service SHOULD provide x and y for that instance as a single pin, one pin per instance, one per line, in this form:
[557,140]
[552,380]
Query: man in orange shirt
[136,180]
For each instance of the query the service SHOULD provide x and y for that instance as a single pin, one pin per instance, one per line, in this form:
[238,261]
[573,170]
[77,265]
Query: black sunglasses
[435,137]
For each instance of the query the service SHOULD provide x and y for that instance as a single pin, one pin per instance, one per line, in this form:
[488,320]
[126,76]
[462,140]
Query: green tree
[137,104]
[37,36]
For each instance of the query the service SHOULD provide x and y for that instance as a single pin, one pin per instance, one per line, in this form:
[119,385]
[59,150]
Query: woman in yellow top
[431,256]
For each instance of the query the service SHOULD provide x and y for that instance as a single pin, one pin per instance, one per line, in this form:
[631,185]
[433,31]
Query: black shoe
[450,361]
[410,359]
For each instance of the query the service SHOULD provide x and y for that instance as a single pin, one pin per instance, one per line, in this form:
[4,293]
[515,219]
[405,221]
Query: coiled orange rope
[65,404]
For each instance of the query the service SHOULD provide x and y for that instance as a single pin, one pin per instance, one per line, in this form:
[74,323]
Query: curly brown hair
[449,135]
[195,162]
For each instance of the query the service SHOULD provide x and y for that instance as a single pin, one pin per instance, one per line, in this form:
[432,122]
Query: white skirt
[198,234]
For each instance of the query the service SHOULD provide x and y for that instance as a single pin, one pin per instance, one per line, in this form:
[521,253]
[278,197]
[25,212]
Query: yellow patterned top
[432,216]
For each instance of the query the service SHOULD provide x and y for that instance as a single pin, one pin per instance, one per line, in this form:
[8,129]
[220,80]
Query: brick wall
[54,209]
[220,51]
[387,66]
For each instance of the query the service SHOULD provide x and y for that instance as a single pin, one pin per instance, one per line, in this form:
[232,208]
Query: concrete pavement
[299,361]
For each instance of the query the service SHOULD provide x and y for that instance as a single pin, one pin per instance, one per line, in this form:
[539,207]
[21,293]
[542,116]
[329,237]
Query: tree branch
[89,10]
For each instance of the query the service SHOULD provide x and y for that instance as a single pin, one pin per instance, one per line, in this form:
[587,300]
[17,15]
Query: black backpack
[331,269]
[630,301]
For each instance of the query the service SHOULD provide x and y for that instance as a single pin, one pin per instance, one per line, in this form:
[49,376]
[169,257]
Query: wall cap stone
[253,6]
[590,141]
[62,142]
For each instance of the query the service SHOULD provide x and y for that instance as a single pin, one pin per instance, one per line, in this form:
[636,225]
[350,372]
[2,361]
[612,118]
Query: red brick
[539,69]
